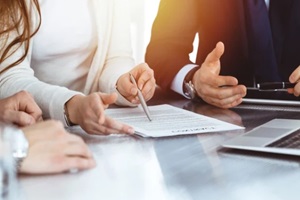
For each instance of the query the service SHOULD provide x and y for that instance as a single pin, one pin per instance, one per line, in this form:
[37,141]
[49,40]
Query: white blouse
[83,46]
[64,46]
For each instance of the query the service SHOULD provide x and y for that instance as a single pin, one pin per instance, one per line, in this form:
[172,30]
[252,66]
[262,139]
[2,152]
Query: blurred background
[143,13]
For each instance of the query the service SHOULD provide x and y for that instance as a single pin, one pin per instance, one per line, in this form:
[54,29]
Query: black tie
[260,42]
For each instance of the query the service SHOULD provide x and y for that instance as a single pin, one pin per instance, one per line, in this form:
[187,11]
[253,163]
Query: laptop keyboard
[290,141]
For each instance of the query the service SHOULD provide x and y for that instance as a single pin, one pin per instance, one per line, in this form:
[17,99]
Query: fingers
[295,90]
[148,84]
[224,103]
[78,163]
[216,54]
[294,78]
[58,154]
[145,80]
[17,117]
[145,75]
[92,118]
[28,105]
[221,81]
[221,91]
[224,97]
[118,126]
[108,98]
[77,149]
[148,90]
[110,126]
[20,109]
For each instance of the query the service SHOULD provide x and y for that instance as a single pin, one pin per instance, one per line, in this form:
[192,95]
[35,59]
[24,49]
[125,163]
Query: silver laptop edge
[255,140]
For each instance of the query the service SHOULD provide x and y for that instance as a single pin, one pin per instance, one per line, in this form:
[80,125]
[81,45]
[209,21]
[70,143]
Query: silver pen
[141,97]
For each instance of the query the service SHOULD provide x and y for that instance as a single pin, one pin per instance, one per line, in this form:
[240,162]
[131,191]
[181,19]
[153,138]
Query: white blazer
[112,59]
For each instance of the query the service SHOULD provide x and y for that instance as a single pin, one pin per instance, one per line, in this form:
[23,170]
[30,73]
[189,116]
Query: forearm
[119,59]
[50,98]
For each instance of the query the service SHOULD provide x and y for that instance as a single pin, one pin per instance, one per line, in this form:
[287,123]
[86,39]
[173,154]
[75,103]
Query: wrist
[70,110]
[188,84]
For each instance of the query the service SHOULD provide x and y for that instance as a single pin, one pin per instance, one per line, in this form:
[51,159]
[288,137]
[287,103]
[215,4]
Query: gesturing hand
[221,91]
[88,112]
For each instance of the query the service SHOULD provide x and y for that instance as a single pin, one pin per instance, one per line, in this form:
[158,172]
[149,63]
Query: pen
[275,85]
[141,98]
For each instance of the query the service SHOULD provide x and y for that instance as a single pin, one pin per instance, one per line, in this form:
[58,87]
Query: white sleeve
[50,98]
[119,59]
[177,83]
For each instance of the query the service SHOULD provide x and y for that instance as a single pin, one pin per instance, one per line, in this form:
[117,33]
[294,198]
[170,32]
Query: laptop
[279,97]
[276,136]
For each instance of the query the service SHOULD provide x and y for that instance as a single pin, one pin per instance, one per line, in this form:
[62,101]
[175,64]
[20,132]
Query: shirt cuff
[177,83]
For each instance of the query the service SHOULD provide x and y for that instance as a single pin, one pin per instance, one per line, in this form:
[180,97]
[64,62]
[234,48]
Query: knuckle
[24,94]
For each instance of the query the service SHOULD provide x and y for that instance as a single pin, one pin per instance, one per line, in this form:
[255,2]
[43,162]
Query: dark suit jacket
[178,21]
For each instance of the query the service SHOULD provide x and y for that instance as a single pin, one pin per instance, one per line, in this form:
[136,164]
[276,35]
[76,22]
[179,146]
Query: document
[168,120]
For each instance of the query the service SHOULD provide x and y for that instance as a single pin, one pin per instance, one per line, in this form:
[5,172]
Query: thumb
[216,54]
[108,98]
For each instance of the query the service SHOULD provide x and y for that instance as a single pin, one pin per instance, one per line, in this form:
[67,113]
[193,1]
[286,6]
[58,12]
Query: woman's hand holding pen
[220,91]
[144,77]
[88,112]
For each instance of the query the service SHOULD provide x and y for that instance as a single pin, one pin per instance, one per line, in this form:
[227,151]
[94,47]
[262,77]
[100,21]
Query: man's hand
[221,91]
[20,109]
[294,78]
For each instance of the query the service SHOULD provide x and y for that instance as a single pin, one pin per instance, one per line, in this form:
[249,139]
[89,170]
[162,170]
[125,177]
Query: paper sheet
[168,120]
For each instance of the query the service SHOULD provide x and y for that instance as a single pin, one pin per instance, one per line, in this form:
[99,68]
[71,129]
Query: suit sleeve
[172,37]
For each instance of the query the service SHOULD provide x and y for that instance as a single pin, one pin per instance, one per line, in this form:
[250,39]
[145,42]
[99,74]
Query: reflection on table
[177,168]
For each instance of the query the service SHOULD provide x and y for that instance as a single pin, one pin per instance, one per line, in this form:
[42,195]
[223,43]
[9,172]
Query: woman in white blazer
[77,63]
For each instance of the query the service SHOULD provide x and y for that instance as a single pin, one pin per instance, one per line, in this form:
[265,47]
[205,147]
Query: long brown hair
[15,17]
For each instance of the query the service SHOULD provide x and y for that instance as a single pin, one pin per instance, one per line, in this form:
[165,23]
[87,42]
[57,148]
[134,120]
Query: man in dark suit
[262,40]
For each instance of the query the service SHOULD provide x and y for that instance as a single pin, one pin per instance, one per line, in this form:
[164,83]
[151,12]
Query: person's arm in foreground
[53,150]
[88,112]
[20,109]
